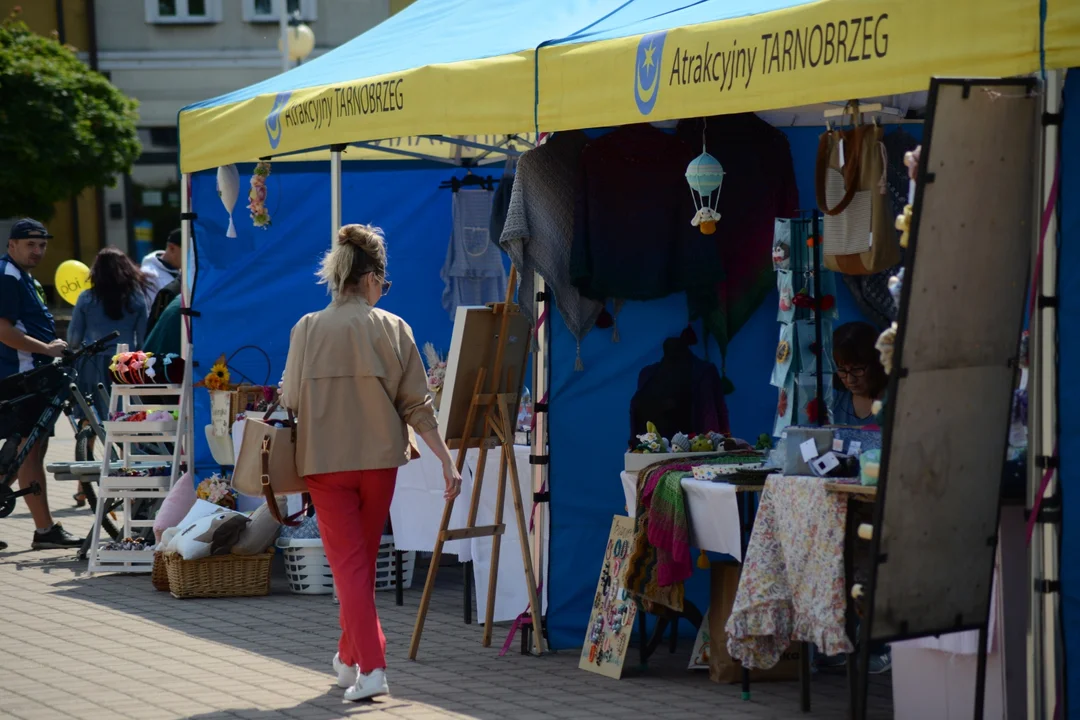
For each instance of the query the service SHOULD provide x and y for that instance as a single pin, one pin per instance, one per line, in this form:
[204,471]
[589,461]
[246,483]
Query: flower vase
[437,399]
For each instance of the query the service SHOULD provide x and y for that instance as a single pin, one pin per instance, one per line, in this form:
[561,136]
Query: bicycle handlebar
[92,349]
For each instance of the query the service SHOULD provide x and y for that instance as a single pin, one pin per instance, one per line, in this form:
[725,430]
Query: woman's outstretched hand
[452,478]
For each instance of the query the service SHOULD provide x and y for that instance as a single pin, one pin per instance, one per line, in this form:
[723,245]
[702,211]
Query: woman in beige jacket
[356,382]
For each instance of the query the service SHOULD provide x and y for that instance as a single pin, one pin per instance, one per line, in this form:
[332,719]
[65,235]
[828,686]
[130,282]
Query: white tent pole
[335,191]
[1044,639]
[186,282]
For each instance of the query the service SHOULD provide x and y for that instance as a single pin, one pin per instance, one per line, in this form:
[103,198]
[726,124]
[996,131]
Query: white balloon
[228,187]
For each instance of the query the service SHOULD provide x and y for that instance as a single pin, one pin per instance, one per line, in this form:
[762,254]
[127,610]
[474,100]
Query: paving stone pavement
[111,647]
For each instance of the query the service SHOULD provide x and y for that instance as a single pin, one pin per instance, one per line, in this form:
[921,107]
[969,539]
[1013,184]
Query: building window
[183,12]
[267,10]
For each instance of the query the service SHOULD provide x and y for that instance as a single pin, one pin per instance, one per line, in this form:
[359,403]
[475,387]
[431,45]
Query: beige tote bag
[267,463]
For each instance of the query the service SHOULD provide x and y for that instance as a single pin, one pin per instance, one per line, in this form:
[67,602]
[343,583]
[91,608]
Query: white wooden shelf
[125,438]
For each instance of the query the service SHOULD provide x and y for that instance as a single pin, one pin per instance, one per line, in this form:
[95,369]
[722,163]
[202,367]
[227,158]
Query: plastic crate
[308,570]
[306,566]
[385,577]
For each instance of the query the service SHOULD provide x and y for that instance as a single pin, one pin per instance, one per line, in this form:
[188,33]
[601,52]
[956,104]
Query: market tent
[663,59]
[473,67]
[440,67]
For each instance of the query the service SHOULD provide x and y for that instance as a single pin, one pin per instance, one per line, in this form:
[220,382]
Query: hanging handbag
[859,237]
[266,465]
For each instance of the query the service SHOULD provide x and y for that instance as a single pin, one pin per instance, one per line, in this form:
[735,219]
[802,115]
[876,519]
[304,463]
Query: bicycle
[47,391]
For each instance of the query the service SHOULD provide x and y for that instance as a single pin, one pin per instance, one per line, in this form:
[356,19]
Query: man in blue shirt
[28,338]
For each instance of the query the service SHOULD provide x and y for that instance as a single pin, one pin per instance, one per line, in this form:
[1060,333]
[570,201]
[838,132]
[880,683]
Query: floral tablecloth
[792,583]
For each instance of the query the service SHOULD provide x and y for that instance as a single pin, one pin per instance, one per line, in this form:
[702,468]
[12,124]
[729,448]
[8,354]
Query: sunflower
[218,377]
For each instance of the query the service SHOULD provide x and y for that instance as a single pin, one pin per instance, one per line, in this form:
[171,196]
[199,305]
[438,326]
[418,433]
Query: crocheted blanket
[539,229]
[792,582]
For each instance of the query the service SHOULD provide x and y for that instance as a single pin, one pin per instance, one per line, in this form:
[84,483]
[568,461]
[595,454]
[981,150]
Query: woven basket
[160,574]
[220,576]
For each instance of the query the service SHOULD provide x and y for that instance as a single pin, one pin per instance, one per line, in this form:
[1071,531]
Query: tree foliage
[63,127]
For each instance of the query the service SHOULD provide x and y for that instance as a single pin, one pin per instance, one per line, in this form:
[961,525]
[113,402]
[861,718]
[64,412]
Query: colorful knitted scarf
[646,560]
[669,529]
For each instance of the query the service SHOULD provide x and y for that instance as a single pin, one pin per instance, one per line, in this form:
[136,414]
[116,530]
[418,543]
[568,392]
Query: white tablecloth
[417,511]
[714,513]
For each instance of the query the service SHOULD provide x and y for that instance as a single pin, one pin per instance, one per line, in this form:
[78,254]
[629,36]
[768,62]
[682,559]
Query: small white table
[714,513]
[417,511]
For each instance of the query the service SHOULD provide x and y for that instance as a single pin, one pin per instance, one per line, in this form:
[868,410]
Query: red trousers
[352,508]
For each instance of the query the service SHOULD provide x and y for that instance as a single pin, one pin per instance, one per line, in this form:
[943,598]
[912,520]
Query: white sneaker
[346,674]
[368,686]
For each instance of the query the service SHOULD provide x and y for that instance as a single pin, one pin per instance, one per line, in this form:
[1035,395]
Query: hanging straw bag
[859,234]
[267,463]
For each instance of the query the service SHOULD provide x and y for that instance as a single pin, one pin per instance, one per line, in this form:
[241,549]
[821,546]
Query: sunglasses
[385,286]
[855,371]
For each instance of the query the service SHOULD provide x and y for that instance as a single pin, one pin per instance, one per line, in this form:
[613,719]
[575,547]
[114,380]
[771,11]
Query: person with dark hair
[115,301]
[161,267]
[862,381]
[862,377]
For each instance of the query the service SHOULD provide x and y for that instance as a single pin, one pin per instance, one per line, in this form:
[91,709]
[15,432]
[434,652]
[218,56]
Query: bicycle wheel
[84,452]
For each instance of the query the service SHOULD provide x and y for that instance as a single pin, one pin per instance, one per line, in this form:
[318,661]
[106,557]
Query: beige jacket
[356,382]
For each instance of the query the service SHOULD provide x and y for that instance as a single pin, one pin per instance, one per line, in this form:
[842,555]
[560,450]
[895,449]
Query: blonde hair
[360,249]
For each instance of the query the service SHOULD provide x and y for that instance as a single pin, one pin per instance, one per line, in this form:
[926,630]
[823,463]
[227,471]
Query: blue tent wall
[1068,389]
[590,420]
[251,289]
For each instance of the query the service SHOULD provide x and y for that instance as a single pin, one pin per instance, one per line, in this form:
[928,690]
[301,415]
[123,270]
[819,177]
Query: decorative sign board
[614,609]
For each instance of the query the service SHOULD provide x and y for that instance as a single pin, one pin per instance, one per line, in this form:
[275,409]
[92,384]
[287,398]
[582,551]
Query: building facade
[168,54]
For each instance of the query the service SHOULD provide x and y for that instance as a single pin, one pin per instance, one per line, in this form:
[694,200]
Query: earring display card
[808,345]
[785,352]
[786,311]
[785,404]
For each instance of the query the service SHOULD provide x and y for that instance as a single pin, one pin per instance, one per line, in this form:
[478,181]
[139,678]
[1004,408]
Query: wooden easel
[499,411]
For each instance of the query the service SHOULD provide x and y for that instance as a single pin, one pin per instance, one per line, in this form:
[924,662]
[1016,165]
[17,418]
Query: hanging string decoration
[705,175]
[228,189]
[260,216]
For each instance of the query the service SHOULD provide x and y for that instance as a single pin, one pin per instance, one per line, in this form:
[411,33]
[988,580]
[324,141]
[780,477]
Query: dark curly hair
[853,344]
[115,280]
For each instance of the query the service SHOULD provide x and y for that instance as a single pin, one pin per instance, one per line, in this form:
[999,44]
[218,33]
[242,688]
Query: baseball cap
[28,228]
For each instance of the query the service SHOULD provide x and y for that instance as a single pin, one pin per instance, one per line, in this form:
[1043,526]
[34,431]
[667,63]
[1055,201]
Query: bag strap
[852,164]
[851,169]
[268,490]
[292,418]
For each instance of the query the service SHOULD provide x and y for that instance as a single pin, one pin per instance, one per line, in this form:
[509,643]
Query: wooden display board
[614,609]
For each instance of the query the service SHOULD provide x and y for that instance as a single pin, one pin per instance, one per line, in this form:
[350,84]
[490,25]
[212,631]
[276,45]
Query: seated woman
[863,379]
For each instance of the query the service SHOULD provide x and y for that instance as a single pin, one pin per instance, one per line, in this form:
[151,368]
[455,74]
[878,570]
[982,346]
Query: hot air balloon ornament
[228,188]
[705,175]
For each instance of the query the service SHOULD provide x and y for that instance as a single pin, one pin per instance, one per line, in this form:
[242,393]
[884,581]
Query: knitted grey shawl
[539,229]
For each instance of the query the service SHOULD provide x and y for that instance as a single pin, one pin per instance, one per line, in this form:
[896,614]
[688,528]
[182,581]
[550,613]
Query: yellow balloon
[72,277]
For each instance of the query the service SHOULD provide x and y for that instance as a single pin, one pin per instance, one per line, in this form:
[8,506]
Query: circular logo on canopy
[650,53]
[273,119]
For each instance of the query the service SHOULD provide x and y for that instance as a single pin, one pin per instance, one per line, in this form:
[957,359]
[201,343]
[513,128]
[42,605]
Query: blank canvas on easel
[476,331]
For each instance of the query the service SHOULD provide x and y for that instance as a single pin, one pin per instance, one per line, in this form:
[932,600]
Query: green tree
[63,126]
